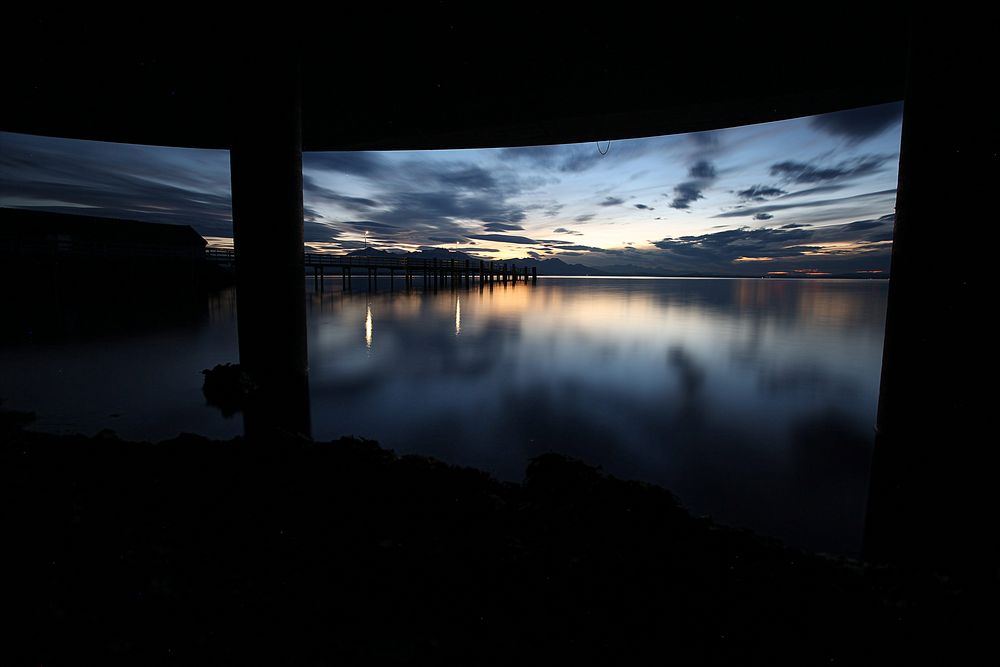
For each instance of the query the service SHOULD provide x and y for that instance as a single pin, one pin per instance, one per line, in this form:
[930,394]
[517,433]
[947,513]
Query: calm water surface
[753,400]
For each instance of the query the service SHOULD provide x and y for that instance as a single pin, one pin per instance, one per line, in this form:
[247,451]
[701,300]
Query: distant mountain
[370,252]
[556,267]
[630,270]
[426,253]
[545,267]
[441,253]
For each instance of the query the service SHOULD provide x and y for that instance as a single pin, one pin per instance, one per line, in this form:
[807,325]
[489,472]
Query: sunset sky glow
[809,195]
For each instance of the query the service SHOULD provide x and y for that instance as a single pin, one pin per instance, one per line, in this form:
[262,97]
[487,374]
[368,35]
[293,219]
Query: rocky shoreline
[301,552]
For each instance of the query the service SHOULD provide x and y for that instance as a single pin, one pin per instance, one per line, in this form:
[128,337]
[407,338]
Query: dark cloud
[685,193]
[787,248]
[760,193]
[801,172]
[793,225]
[862,225]
[586,248]
[508,217]
[565,159]
[501,227]
[310,214]
[356,163]
[856,125]
[151,184]
[502,238]
[424,198]
[702,169]
[579,160]
[702,174]
[369,225]
[563,230]
[467,177]
[818,190]
[313,191]
[763,216]
[612,201]
[314,232]
[705,140]
[770,208]
[353,245]
[584,218]
[419,215]
[644,207]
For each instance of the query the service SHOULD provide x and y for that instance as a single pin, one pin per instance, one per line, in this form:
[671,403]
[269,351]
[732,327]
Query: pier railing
[430,268]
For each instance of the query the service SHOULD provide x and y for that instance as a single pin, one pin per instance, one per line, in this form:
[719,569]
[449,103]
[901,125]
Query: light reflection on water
[752,400]
[369,329]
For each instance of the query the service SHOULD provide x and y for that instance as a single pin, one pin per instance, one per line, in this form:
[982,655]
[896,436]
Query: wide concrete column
[266,165]
[933,489]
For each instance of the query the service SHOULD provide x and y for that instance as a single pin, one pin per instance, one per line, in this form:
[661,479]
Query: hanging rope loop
[605,151]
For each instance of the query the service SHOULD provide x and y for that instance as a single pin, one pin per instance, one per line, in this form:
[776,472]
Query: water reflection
[368,328]
[754,400]
[709,387]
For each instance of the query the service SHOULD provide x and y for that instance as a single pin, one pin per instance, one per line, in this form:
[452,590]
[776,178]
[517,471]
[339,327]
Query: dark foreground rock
[192,551]
[227,387]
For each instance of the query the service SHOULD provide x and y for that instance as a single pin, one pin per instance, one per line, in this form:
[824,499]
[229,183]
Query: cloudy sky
[810,195]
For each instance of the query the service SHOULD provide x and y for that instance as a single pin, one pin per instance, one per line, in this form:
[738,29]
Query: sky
[809,196]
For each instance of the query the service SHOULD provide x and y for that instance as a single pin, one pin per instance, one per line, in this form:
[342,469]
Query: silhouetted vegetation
[305,552]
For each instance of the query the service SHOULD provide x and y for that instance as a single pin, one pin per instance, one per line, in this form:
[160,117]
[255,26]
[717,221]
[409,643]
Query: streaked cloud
[803,175]
[856,125]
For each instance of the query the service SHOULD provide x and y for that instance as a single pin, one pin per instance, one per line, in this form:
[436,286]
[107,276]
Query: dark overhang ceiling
[450,78]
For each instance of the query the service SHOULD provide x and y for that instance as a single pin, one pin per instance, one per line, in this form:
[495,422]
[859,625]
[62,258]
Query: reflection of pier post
[266,172]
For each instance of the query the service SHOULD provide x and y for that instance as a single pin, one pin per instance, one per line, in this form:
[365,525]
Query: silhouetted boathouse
[41,234]
[39,248]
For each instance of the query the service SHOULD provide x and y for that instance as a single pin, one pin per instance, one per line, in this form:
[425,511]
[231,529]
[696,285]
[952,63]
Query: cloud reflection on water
[706,386]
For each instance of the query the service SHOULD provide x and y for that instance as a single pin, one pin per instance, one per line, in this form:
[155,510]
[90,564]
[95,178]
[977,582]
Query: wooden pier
[432,272]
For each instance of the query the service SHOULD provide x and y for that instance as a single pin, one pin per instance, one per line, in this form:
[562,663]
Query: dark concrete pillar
[266,167]
[931,490]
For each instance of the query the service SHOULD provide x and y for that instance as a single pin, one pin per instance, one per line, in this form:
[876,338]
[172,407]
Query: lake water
[753,400]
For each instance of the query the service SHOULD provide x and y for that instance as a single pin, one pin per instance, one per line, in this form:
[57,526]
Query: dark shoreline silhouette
[311,552]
